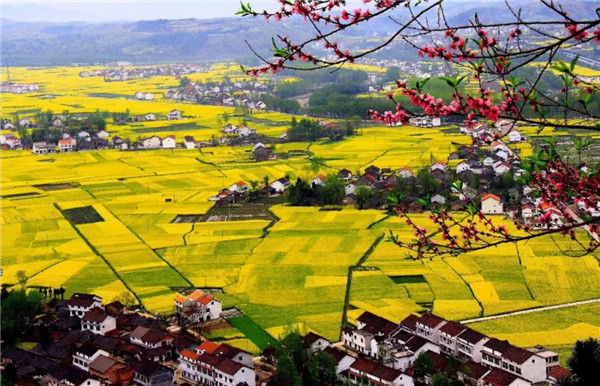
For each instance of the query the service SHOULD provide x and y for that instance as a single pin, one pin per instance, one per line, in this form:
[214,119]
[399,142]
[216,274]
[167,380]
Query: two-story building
[98,321]
[198,306]
[79,303]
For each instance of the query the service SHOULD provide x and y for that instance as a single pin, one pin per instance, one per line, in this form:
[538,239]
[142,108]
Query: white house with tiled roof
[79,303]
[198,306]
[491,204]
[240,187]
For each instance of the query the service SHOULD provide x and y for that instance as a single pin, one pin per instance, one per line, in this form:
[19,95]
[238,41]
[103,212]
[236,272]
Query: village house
[10,141]
[98,321]
[527,212]
[488,161]
[318,180]
[364,371]
[314,342]
[469,344]
[491,204]
[441,166]
[448,334]
[79,303]
[501,167]
[25,123]
[84,135]
[349,189]
[246,131]
[150,117]
[198,306]
[155,345]
[438,199]
[463,167]
[520,362]
[119,143]
[405,173]
[374,171]
[217,365]
[280,185]
[169,142]
[102,134]
[174,115]
[43,148]
[342,359]
[370,329]
[368,179]
[8,125]
[428,327]
[240,187]
[68,376]
[189,142]
[514,136]
[111,371]
[66,145]
[85,354]
[261,153]
[153,374]
[427,121]
[153,142]
[345,175]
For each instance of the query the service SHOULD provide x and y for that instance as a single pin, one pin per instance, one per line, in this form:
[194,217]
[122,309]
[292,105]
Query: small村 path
[531,310]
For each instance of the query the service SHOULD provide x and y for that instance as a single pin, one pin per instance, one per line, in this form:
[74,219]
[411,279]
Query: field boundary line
[152,249]
[97,253]
[531,310]
[351,270]
[468,286]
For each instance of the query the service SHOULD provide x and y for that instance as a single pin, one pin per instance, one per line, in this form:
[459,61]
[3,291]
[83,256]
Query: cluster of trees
[284,105]
[19,308]
[310,130]
[295,366]
[303,193]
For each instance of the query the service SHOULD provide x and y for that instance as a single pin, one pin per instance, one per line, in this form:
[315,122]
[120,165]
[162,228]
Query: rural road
[531,310]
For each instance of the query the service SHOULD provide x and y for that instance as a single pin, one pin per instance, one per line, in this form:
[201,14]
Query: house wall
[491,206]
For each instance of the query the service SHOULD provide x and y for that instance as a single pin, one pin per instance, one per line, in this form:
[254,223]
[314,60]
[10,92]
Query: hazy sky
[118,10]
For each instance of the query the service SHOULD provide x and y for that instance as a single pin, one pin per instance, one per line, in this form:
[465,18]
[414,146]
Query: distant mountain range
[207,40]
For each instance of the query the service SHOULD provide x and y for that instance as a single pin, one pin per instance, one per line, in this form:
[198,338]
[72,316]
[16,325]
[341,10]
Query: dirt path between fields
[531,310]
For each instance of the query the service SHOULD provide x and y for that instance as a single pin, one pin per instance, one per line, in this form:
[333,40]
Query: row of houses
[96,344]
[19,88]
[240,190]
[24,123]
[488,361]
[225,94]
[123,74]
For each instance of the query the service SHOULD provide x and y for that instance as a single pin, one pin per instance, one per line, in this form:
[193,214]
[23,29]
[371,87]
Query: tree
[333,191]
[321,370]
[423,366]
[496,57]
[286,372]
[126,298]
[22,279]
[585,363]
[317,163]
[184,81]
[363,195]
[581,144]
[441,379]
[18,310]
